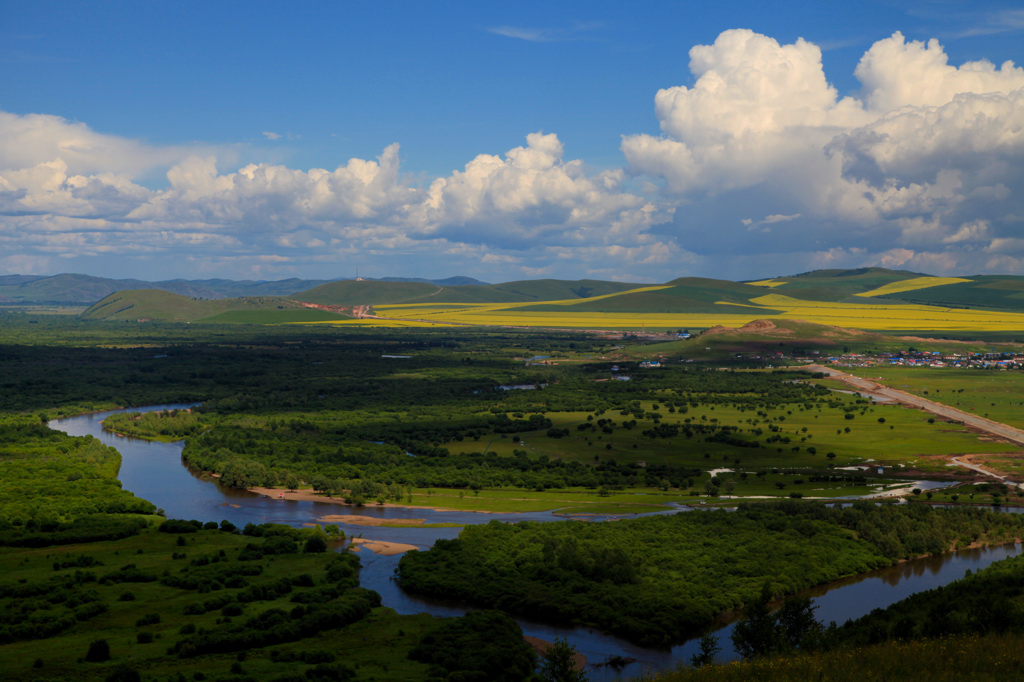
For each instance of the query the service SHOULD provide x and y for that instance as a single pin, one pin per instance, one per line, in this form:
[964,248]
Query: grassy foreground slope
[949,659]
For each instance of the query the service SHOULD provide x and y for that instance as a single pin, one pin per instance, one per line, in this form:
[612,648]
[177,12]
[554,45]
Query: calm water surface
[154,471]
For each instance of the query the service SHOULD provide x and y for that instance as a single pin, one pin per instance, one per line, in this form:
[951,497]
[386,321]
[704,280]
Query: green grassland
[273,316]
[999,292]
[202,604]
[568,501]
[588,501]
[153,304]
[765,340]
[692,294]
[348,293]
[922,443]
[994,657]
[998,395]
[838,285]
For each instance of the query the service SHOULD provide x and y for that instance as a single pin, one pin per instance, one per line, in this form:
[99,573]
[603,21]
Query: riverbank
[357,520]
[571,503]
[311,496]
[517,501]
[579,661]
[382,547]
[155,471]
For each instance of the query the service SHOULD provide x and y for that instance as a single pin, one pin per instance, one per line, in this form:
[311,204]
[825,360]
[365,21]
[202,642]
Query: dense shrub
[482,645]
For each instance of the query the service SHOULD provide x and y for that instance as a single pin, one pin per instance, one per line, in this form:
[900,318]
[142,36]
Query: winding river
[154,471]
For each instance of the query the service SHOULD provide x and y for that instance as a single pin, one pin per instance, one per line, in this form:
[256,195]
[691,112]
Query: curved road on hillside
[873,388]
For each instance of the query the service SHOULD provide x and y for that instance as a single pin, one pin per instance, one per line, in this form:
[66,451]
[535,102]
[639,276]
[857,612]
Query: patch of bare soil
[768,327]
[922,339]
[356,311]
[980,460]
[926,470]
[765,326]
[381,546]
[357,520]
[541,647]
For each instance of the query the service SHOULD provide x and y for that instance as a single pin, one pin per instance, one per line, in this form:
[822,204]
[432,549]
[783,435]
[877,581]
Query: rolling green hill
[995,292]
[66,288]
[152,304]
[837,285]
[74,289]
[86,289]
[686,294]
[353,292]
[992,292]
[350,292]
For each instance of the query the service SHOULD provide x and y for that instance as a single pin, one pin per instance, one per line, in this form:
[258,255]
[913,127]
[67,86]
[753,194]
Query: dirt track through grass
[873,388]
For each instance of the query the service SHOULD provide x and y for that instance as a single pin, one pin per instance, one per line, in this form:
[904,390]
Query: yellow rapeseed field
[912,285]
[376,322]
[897,317]
[869,316]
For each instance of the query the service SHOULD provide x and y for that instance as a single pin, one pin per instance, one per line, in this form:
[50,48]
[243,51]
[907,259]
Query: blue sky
[509,140]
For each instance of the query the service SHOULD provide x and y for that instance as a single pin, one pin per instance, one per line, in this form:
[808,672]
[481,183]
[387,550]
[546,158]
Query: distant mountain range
[74,289]
[908,300]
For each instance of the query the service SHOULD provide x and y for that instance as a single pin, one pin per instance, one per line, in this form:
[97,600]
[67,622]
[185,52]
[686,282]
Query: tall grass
[992,657]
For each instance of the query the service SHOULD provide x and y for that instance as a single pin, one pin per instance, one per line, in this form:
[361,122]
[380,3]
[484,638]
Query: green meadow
[145,594]
[866,436]
[995,394]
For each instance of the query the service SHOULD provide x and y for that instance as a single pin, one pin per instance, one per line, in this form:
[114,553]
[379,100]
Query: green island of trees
[660,580]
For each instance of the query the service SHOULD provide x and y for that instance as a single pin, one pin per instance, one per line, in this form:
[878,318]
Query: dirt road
[872,388]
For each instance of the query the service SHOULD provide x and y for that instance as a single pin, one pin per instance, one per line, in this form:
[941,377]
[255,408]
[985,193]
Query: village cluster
[917,358]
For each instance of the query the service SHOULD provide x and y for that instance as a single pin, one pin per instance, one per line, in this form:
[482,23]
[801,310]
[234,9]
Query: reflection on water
[154,471]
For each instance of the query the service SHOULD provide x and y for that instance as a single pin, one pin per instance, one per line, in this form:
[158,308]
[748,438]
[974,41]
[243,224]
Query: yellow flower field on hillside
[912,285]
[897,317]
[869,316]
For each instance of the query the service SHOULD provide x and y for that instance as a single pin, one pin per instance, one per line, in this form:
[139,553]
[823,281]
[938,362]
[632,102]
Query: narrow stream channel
[154,471]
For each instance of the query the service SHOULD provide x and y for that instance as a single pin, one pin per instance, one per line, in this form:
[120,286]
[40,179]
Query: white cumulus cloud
[531,197]
[928,156]
[68,192]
